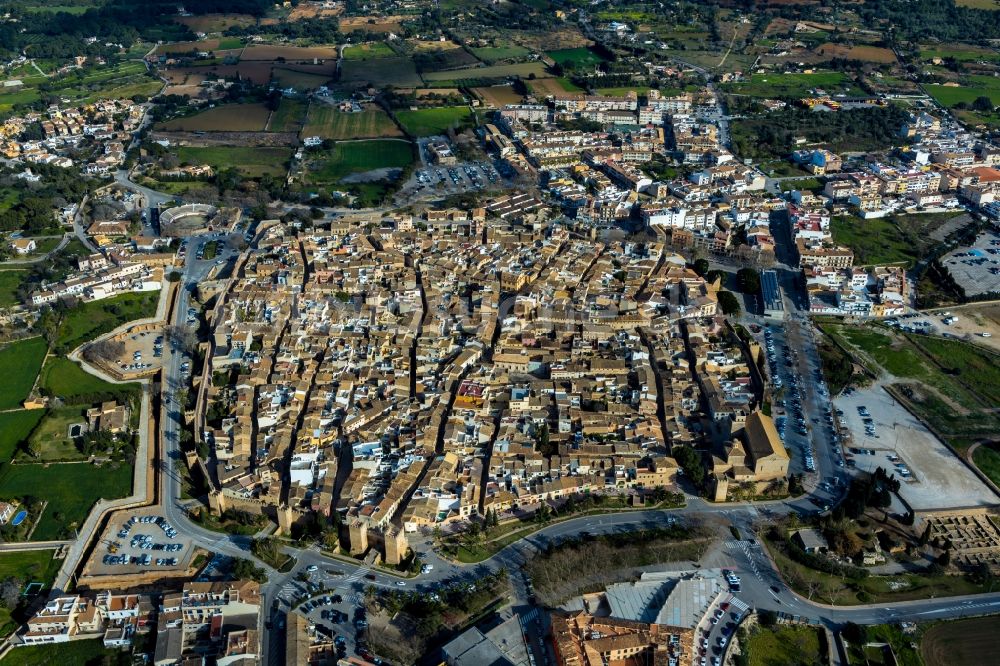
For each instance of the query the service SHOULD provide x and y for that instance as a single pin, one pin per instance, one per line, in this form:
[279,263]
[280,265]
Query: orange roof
[986,174]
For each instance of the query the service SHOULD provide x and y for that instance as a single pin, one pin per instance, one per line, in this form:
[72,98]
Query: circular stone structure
[187,219]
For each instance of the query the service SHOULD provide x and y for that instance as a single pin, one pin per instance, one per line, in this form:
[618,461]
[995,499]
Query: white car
[311,568]
[400,583]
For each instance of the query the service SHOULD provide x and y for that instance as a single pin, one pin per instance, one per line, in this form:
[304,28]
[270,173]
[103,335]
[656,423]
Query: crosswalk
[745,548]
[739,605]
[528,617]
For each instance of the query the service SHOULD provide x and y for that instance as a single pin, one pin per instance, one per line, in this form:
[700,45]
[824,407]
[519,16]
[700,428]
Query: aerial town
[527,333]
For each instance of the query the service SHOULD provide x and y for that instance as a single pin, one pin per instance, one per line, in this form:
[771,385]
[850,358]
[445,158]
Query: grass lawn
[15,428]
[327,122]
[368,51]
[494,53]
[90,320]
[887,240]
[794,85]
[428,122]
[30,566]
[19,365]
[582,57]
[251,161]
[829,589]
[288,117]
[52,435]
[64,378]
[74,652]
[357,157]
[70,489]
[785,646]
[987,459]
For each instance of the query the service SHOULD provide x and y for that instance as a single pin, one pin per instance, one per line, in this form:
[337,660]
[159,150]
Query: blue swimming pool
[19,518]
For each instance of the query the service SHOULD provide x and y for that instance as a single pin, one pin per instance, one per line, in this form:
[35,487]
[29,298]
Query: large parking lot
[332,606]
[139,542]
[933,478]
[976,268]
[143,351]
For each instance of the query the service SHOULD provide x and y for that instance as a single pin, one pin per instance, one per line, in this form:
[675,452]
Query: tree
[10,591]
[983,104]
[701,266]
[246,570]
[729,303]
[748,280]
[104,350]
[855,634]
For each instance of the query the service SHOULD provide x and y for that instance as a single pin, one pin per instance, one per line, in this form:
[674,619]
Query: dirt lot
[864,53]
[940,480]
[379,24]
[182,82]
[215,22]
[961,642]
[229,118]
[257,72]
[546,87]
[158,537]
[289,53]
[497,96]
[187,47]
[566,38]
[972,321]
[308,10]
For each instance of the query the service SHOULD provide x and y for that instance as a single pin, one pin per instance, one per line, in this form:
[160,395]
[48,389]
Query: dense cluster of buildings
[216,621]
[105,125]
[486,367]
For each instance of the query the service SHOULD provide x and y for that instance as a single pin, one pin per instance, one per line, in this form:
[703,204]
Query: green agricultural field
[379,72]
[300,81]
[66,379]
[959,52]
[492,54]
[451,77]
[90,320]
[349,157]
[429,122]
[288,117]
[70,489]
[794,85]
[19,366]
[582,58]
[973,88]
[10,281]
[368,51]
[14,428]
[327,122]
[250,161]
